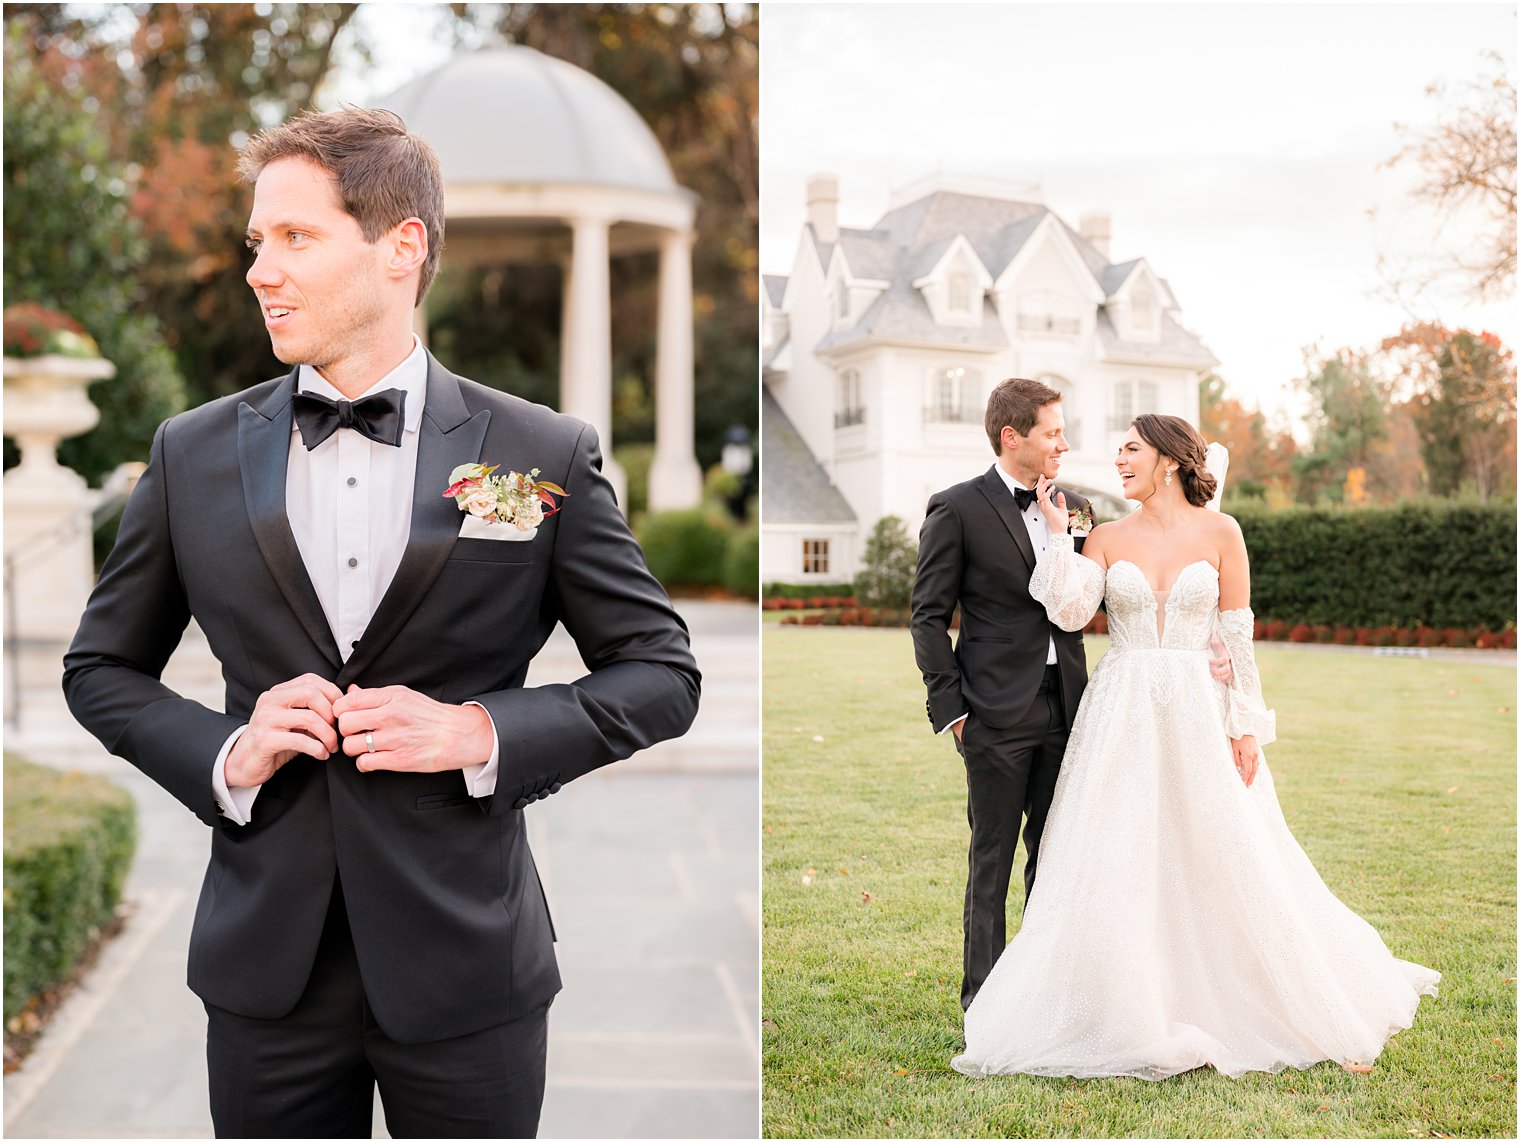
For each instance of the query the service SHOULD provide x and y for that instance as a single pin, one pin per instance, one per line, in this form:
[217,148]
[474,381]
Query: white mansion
[880,347]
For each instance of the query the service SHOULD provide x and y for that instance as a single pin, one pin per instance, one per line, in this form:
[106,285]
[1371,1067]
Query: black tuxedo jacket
[448,917]
[974,549]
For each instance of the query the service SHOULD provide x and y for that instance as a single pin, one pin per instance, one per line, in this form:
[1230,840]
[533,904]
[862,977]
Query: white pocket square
[474,527]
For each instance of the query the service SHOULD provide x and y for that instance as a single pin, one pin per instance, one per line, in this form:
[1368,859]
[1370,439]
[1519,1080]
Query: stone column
[585,383]
[49,532]
[675,478]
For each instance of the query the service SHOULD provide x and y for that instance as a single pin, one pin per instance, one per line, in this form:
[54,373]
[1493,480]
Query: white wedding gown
[1175,923]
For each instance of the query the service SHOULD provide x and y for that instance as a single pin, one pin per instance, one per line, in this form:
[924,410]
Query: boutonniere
[1079,521]
[522,501]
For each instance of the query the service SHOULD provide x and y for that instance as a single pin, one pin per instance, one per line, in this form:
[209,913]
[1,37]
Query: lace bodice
[1071,587]
[1180,619]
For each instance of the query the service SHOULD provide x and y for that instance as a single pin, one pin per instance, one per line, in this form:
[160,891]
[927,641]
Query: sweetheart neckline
[1157,590]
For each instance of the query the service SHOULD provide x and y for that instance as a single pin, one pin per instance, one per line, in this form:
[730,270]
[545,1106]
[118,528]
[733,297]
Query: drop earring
[1169,477]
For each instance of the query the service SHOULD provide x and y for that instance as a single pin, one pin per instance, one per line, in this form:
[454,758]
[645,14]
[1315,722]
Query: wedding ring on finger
[369,740]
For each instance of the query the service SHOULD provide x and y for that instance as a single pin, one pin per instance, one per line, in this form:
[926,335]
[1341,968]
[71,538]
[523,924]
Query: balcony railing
[933,415]
[848,417]
[1048,323]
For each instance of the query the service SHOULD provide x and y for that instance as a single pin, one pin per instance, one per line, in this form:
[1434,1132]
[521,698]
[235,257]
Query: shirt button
[352,562]
[352,481]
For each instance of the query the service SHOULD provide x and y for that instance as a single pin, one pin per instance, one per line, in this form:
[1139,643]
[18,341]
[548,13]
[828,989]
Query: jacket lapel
[1002,501]
[263,451]
[448,436]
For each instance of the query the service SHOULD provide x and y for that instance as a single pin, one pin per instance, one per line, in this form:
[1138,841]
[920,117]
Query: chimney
[823,206]
[1097,227]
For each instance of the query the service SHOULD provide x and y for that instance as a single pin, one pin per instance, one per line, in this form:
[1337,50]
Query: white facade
[884,344]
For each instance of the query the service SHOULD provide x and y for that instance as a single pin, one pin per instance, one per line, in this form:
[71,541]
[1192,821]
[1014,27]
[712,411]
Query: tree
[1468,160]
[888,566]
[1348,424]
[1261,456]
[1462,403]
[72,244]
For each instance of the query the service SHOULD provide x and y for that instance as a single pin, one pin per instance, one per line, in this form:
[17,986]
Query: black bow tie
[1023,497]
[378,417]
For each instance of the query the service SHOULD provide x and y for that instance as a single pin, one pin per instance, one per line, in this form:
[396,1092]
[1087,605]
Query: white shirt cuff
[236,804]
[480,780]
[953,724]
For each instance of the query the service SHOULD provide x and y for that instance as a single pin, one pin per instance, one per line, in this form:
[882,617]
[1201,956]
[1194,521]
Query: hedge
[1421,563]
[69,839]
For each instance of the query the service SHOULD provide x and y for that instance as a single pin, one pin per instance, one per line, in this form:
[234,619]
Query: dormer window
[960,293]
[841,301]
[1142,313]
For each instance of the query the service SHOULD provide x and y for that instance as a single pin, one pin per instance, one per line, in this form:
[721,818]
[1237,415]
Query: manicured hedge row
[807,590]
[1418,564]
[69,839]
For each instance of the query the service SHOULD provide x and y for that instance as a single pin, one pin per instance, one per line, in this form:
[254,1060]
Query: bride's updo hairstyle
[1172,436]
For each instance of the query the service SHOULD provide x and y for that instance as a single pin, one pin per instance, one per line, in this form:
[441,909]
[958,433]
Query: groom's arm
[643,683]
[135,618]
[936,588]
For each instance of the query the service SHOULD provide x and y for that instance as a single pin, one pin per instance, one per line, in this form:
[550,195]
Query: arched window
[849,407]
[954,396]
[1069,408]
[1131,398]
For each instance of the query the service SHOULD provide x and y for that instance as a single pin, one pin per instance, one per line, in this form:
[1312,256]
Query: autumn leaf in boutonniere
[1079,521]
[522,501]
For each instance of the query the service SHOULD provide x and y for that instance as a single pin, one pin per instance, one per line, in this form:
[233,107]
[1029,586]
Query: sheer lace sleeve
[1070,586]
[1245,711]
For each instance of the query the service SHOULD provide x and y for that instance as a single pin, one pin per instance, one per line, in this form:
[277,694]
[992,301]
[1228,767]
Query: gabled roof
[902,314]
[1176,345]
[793,486]
[775,288]
[1112,277]
[907,242]
[869,254]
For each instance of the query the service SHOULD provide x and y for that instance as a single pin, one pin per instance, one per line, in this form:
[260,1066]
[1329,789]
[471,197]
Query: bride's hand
[1054,513]
[1247,758]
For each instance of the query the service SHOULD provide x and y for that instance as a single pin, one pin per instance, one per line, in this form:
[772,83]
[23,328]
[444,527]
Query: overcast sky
[1237,147]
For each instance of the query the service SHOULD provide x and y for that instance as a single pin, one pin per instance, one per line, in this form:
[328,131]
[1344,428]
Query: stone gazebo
[543,162]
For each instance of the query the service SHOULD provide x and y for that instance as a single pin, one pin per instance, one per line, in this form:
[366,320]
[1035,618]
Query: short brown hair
[1174,437]
[384,174]
[1016,403]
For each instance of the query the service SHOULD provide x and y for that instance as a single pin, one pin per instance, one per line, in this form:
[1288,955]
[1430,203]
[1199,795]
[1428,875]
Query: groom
[371,912]
[1009,689]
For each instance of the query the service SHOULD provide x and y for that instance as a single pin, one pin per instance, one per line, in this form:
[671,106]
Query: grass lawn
[1397,777]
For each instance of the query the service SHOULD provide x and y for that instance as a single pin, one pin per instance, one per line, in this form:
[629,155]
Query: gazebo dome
[514,115]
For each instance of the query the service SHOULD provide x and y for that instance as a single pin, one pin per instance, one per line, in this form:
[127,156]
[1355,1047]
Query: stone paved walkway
[652,872]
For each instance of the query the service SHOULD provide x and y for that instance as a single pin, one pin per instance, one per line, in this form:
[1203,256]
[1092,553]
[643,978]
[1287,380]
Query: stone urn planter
[49,568]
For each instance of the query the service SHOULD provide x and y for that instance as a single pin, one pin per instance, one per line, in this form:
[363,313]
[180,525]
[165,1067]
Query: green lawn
[1396,775]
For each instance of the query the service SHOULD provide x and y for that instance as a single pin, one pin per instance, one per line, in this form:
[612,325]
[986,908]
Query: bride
[1175,922]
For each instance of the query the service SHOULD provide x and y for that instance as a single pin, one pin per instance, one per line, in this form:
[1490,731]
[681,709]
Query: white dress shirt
[1039,537]
[349,502]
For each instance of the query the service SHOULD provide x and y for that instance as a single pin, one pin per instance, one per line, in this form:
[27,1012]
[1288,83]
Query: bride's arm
[1247,720]
[1070,585]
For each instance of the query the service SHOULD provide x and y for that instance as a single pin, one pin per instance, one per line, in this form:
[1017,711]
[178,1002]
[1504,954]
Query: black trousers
[313,1073]
[1010,777]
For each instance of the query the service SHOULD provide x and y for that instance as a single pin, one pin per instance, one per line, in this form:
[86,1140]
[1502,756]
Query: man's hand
[293,717]
[395,727]
[957,728]
[1219,666]
[1247,758]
